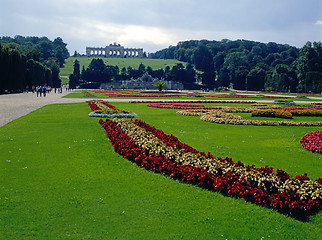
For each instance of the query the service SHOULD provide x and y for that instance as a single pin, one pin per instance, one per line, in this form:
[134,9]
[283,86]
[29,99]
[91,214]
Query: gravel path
[13,106]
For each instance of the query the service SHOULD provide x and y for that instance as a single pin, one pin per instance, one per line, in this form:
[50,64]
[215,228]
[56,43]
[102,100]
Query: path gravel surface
[13,106]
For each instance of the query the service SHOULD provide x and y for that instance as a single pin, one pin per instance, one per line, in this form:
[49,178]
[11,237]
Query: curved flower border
[312,141]
[223,117]
[153,150]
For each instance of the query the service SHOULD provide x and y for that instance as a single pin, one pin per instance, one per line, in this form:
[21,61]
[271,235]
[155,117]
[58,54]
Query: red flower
[312,141]
[228,183]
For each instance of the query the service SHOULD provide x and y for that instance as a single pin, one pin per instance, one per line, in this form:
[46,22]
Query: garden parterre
[220,114]
[151,149]
[180,94]
[221,117]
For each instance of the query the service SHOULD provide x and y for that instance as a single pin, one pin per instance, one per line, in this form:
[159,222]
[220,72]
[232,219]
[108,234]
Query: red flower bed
[184,106]
[312,141]
[288,202]
[94,106]
[194,101]
[247,96]
[140,94]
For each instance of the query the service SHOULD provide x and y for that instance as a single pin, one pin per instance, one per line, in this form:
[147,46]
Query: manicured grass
[60,179]
[155,64]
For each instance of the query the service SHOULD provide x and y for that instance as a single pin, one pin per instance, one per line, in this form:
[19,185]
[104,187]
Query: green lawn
[60,179]
[155,64]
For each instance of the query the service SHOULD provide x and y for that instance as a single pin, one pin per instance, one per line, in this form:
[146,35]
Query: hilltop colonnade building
[114,50]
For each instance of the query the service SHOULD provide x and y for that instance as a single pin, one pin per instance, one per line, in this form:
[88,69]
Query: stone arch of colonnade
[114,51]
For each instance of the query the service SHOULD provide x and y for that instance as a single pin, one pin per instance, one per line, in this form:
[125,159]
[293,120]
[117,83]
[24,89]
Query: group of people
[43,90]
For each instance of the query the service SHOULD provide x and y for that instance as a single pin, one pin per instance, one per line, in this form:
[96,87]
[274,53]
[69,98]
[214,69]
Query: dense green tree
[203,59]
[72,81]
[76,70]
[233,60]
[178,73]
[239,82]
[141,69]
[74,78]
[60,50]
[113,72]
[96,72]
[234,63]
[309,67]
[283,78]
[208,79]
[31,61]
[123,73]
[219,60]
[190,77]
[255,79]
[54,66]
[150,70]
[167,73]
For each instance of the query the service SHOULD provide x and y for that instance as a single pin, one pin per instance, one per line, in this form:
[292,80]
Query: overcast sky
[156,24]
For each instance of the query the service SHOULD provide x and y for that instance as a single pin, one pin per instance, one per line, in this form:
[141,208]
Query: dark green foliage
[26,62]
[39,49]
[98,72]
[160,85]
[309,67]
[274,66]
[75,76]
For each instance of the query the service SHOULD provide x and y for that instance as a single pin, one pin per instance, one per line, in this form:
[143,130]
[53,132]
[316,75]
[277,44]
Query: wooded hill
[249,65]
[30,61]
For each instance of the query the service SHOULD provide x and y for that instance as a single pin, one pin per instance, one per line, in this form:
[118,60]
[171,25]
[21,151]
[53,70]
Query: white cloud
[154,24]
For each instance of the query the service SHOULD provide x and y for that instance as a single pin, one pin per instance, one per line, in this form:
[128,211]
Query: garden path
[13,106]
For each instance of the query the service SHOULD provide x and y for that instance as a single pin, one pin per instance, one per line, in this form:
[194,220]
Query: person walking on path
[44,90]
[38,90]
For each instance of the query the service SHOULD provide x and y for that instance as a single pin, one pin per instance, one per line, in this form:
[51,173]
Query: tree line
[249,65]
[97,72]
[30,61]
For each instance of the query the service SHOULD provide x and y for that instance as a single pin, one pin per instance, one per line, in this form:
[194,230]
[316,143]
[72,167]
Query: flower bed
[153,150]
[312,112]
[312,141]
[193,101]
[219,116]
[278,113]
[247,96]
[143,94]
[164,94]
[103,109]
[200,106]
[87,94]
